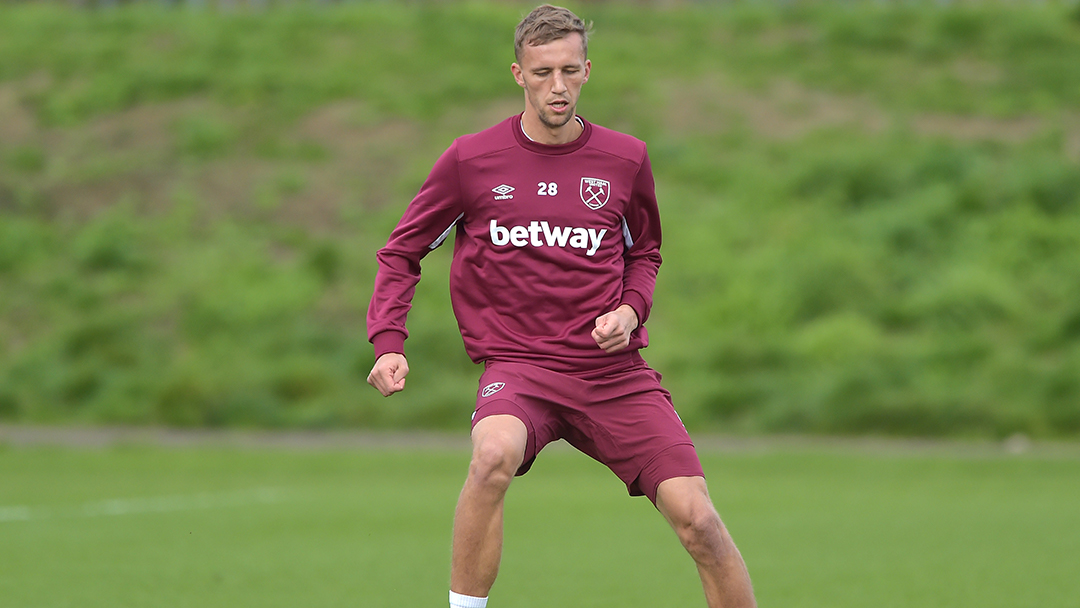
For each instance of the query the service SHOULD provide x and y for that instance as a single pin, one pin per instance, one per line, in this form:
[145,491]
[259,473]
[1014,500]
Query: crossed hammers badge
[595,192]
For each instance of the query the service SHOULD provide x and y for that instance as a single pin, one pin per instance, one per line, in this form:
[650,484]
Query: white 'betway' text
[539,234]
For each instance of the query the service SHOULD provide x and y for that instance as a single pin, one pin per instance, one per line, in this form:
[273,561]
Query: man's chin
[556,122]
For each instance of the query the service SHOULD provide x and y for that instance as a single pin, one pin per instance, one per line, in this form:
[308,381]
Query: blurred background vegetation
[871,209]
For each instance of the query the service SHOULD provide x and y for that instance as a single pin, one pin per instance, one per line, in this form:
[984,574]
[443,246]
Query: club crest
[595,192]
[492,388]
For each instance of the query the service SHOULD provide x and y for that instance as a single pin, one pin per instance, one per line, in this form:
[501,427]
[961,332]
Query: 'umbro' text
[539,234]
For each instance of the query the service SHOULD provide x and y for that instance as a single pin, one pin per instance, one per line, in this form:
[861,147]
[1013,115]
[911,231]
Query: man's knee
[493,463]
[498,450]
[686,505]
[700,527]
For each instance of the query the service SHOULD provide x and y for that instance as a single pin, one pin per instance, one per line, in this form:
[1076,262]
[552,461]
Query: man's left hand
[613,329]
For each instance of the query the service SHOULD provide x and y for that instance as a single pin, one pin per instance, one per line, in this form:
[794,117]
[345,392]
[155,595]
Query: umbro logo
[502,192]
[492,388]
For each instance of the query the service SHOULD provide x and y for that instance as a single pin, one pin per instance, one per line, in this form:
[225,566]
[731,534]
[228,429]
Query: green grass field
[831,527]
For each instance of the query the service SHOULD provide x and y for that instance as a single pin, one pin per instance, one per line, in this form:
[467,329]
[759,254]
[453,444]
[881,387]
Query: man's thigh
[631,426]
[521,392]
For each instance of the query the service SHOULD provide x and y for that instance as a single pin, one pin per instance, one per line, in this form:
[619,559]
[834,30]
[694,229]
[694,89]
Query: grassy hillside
[872,212]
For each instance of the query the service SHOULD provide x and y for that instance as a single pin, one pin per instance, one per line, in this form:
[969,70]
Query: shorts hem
[685,465]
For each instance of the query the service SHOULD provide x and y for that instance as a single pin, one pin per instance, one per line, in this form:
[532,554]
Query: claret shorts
[624,419]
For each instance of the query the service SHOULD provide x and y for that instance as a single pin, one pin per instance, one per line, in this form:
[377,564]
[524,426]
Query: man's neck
[562,135]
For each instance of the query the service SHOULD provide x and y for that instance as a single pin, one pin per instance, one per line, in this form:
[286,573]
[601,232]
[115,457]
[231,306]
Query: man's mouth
[559,105]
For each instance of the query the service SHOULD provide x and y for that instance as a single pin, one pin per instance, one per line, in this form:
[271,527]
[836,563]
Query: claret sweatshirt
[546,239]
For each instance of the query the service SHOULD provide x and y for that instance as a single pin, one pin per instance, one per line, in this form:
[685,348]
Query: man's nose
[559,83]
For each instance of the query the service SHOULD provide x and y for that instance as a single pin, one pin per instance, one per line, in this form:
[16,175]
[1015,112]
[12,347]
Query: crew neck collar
[535,146]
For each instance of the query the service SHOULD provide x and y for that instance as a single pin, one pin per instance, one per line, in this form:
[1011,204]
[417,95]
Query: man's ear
[519,76]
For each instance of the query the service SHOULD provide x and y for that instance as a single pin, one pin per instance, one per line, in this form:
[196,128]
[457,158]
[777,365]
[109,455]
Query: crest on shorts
[595,192]
[492,388]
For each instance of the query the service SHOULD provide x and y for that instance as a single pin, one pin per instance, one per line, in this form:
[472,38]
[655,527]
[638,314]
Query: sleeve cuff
[635,300]
[389,341]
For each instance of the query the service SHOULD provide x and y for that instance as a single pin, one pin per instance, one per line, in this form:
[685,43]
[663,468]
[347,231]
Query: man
[555,260]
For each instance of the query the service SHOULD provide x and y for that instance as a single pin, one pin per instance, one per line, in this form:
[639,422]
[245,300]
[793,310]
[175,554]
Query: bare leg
[498,450]
[685,503]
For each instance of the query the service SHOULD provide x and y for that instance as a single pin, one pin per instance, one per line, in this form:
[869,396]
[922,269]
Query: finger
[391,389]
[616,345]
[399,385]
[599,338]
[381,387]
[381,380]
[607,343]
[604,327]
[392,383]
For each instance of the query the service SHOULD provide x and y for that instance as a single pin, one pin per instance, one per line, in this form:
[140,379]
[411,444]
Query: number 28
[547,189]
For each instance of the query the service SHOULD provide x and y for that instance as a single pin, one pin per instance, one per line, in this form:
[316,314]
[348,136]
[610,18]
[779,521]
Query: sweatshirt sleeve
[642,234]
[427,222]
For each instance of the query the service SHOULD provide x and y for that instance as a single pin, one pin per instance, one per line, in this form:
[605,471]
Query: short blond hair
[547,23]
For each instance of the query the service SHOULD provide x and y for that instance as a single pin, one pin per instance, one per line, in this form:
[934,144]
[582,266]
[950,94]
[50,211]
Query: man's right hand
[388,374]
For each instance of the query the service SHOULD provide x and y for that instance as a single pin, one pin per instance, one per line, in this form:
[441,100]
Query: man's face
[552,75]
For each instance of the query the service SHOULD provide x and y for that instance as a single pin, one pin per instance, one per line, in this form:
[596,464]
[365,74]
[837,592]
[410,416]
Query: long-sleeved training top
[548,238]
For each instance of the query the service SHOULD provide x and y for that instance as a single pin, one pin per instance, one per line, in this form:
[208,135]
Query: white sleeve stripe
[446,233]
[626,234]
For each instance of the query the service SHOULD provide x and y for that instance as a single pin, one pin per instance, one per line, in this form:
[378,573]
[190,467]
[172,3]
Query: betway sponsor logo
[539,234]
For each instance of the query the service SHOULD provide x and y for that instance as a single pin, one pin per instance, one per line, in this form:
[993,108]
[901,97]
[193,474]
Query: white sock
[467,601]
